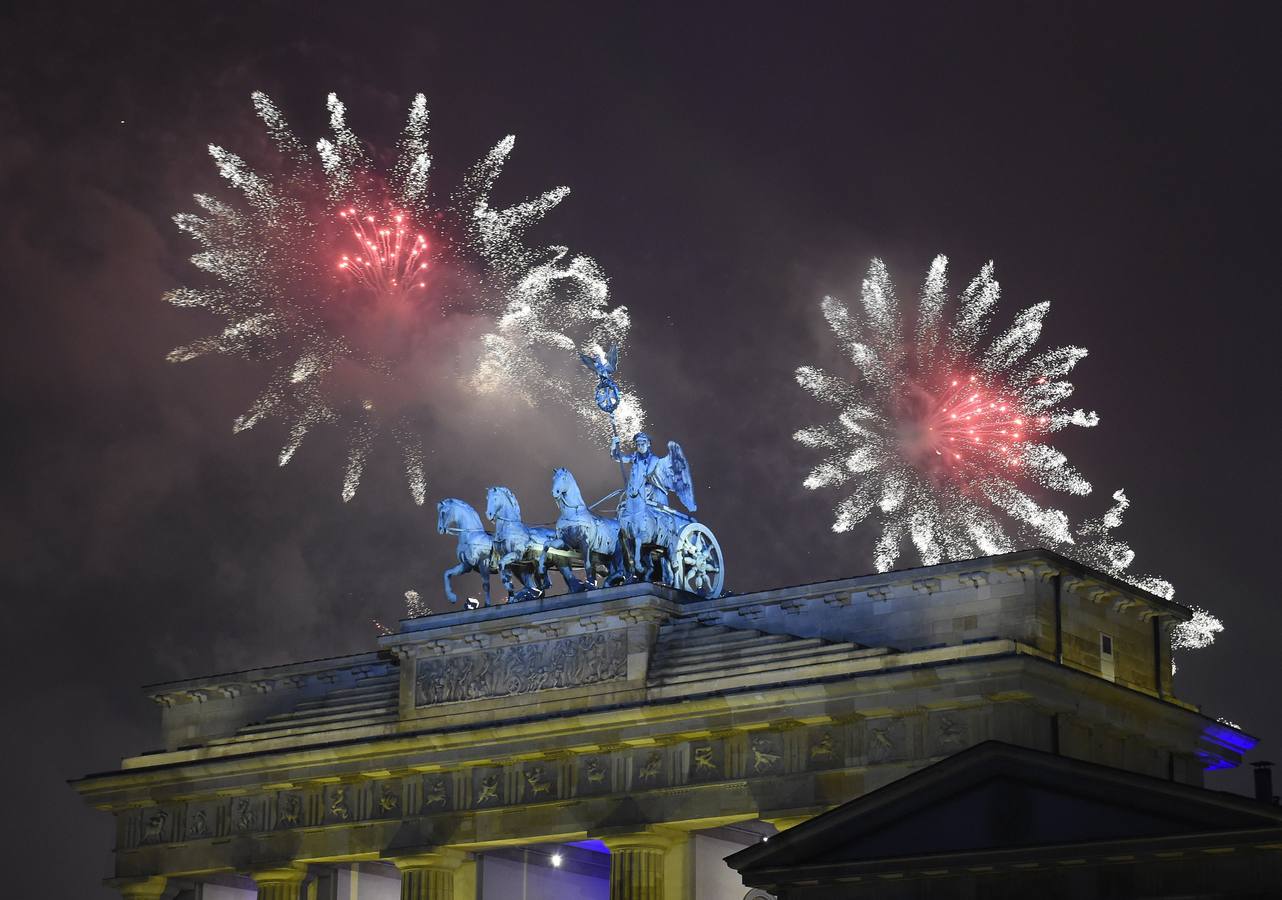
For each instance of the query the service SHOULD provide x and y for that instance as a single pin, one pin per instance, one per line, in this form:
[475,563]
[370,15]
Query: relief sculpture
[390,798]
[763,757]
[823,749]
[244,820]
[291,807]
[522,669]
[338,807]
[653,766]
[434,793]
[537,780]
[153,828]
[198,827]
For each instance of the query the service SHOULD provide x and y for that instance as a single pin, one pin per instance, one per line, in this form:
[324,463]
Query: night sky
[728,167]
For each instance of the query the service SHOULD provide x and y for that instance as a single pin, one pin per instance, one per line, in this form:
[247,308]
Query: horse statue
[521,548]
[475,544]
[594,538]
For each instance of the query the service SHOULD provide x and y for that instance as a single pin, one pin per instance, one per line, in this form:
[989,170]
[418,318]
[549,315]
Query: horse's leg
[484,571]
[504,561]
[572,584]
[640,565]
[532,590]
[619,576]
[579,546]
[450,573]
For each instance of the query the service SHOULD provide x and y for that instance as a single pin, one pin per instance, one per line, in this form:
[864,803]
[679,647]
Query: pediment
[999,795]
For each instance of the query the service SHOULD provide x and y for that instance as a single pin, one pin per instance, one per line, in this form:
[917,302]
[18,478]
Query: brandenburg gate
[620,742]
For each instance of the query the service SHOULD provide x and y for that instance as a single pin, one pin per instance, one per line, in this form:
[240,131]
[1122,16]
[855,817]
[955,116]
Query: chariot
[646,541]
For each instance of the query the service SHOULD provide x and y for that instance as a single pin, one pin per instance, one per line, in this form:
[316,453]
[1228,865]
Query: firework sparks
[340,275]
[386,259]
[943,439]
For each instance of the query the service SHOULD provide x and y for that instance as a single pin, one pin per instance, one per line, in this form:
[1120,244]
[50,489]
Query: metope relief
[885,739]
[289,810]
[706,759]
[823,750]
[487,790]
[950,731]
[436,793]
[522,668]
[242,814]
[538,783]
[198,825]
[389,799]
[153,826]
[648,769]
[765,755]
[594,770]
[338,805]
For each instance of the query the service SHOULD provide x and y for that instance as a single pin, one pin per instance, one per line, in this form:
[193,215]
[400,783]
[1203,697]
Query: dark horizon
[727,171]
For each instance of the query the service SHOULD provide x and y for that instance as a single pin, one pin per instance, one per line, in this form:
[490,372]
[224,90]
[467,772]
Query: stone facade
[641,716]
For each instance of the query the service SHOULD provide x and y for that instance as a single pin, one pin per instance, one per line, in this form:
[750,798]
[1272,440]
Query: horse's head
[565,490]
[442,512]
[500,502]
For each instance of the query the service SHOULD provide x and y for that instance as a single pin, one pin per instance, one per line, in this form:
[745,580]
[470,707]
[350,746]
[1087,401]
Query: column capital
[647,837]
[286,872]
[148,887]
[783,823]
[439,858]
[283,882]
[430,874]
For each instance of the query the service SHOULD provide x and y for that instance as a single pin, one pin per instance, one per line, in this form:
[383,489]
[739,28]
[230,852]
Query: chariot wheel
[699,567]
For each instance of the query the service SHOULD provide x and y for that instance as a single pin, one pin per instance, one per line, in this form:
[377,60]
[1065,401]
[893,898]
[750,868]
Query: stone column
[649,865]
[147,888]
[430,876]
[280,883]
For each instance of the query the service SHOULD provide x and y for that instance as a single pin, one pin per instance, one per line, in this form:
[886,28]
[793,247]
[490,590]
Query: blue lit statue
[593,538]
[475,545]
[607,392]
[650,541]
[653,531]
[520,548]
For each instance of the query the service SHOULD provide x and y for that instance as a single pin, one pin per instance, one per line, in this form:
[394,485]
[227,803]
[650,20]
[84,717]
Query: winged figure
[652,478]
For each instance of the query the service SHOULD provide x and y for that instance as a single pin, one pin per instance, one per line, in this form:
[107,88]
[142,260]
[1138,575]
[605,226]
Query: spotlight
[556,860]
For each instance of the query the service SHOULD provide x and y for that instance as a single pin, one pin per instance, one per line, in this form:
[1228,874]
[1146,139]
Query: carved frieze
[707,760]
[522,668]
[289,810]
[885,739]
[436,793]
[951,731]
[338,806]
[389,799]
[153,826]
[765,756]
[242,814]
[488,788]
[538,782]
[649,768]
[824,750]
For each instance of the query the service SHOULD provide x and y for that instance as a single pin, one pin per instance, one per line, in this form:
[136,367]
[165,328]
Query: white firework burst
[942,437]
[339,275]
[532,354]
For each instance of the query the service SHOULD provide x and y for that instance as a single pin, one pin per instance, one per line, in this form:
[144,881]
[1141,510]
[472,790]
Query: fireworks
[942,439]
[342,277]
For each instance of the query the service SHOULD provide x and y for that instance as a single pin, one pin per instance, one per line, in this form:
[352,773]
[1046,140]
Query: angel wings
[672,473]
